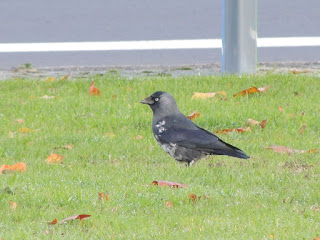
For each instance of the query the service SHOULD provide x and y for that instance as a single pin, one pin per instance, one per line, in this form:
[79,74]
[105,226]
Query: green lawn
[269,196]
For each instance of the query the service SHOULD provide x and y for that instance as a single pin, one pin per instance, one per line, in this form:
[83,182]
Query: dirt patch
[130,72]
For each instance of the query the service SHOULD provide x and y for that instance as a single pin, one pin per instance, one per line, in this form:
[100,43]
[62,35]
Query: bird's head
[162,102]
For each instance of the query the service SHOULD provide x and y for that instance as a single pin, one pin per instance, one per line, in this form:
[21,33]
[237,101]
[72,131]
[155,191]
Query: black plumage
[180,137]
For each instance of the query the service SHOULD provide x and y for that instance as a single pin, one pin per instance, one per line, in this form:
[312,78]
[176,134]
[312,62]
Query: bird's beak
[148,101]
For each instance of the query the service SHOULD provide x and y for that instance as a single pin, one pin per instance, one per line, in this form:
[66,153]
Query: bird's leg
[190,163]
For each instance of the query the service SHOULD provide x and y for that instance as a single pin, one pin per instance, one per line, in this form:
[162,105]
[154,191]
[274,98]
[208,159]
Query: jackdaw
[180,137]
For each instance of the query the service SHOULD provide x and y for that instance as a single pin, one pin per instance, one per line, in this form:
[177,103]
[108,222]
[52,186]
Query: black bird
[180,137]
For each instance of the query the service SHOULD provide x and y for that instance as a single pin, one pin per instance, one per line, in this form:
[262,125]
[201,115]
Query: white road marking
[150,45]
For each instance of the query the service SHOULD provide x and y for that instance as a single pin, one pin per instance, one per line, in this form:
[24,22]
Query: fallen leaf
[93,90]
[55,221]
[169,204]
[109,135]
[81,216]
[280,109]
[25,130]
[46,97]
[65,77]
[199,95]
[283,149]
[170,184]
[138,137]
[13,205]
[20,120]
[251,91]
[54,158]
[295,71]
[263,123]
[247,91]
[303,114]
[193,115]
[12,134]
[68,147]
[21,167]
[313,150]
[239,130]
[49,79]
[252,122]
[103,196]
[264,89]
[192,197]
[114,97]
[301,130]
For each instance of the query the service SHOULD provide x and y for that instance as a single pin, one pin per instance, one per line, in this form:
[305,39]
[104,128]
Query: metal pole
[239,36]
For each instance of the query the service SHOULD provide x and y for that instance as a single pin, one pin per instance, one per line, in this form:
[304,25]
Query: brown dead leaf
[103,196]
[251,91]
[193,115]
[170,184]
[25,130]
[138,137]
[67,147]
[81,216]
[295,71]
[280,109]
[283,149]
[54,158]
[13,205]
[264,89]
[20,120]
[93,90]
[252,122]
[65,77]
[49,79]
[54,222]
[301,130]
[12,134]
[313,150]
[109,135]
[199,95]
[239,130]
[169,204]
[263,123]
[21,167]
[194,198]
[46,97]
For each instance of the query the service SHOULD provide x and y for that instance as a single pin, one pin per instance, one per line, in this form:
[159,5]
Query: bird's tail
[232,151]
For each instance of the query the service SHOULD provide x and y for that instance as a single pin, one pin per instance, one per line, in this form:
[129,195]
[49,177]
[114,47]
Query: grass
[269,196]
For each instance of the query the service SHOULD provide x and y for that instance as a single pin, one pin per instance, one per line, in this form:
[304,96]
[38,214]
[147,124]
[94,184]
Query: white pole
[239,36]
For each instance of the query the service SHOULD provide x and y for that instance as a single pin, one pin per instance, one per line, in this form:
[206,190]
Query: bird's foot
[190,163]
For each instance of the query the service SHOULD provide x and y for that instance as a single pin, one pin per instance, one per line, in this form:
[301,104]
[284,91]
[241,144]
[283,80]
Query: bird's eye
[156,99]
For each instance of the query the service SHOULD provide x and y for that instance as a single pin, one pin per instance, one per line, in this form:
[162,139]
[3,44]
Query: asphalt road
[125,20]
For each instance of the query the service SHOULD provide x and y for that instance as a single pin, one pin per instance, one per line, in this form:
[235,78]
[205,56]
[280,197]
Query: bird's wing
[200,139]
